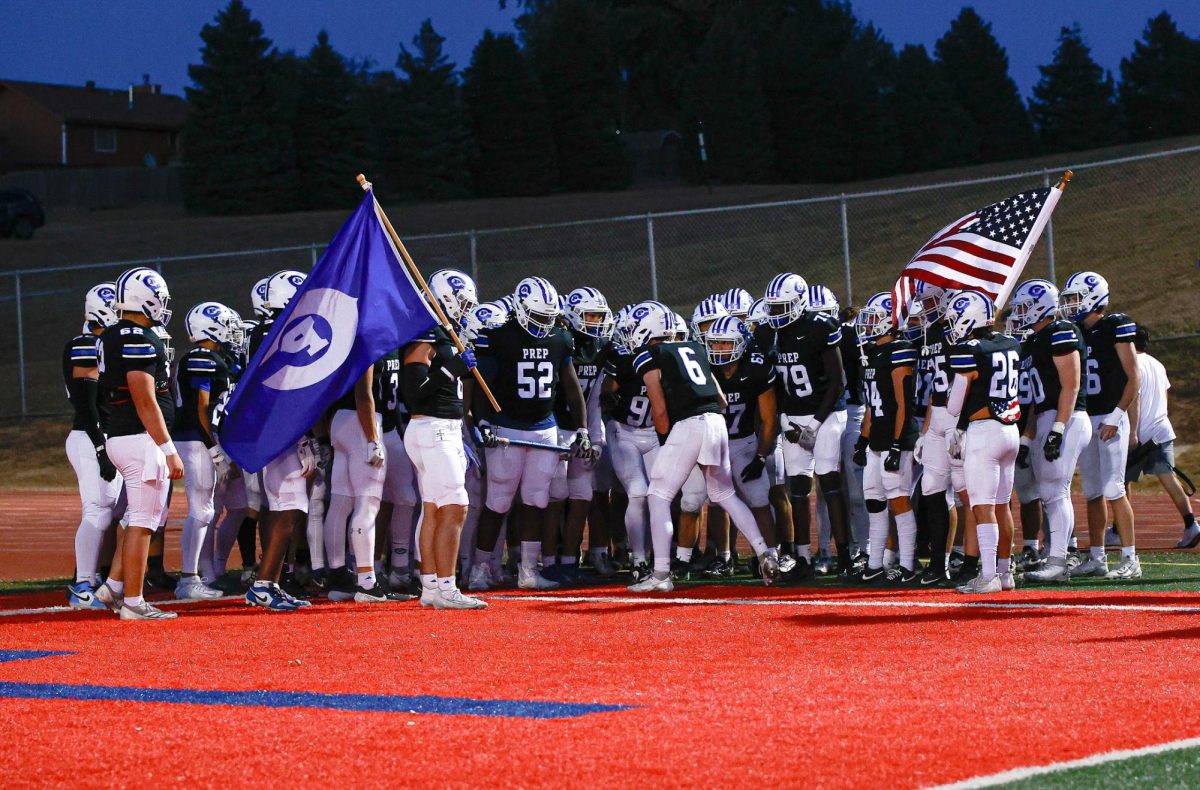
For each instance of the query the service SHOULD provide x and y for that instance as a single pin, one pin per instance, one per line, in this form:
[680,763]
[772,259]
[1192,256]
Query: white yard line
[1017,774]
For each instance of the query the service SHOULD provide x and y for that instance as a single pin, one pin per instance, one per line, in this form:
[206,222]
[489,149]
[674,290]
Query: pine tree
[932,130]
[330,131]
[509,121]
[570,48]
[237,141]
[1073,105]
[724,91]
[976,67]
[1160,82]
[429,147]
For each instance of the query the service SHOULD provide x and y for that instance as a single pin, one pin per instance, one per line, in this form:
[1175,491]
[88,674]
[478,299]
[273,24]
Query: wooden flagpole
[437,307]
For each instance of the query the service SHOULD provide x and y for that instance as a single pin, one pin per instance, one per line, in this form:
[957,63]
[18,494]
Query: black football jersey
[80,352]
[881,395]
[933,372]
[800,363]
[852,364]
[523,372]
[445,402]
[201,369]
[763,339]
[588,360]
[126,347]
[257,335]
[631,406]
[751,377]
[1055,339]
[687,379]
[1104,377]
[997,359]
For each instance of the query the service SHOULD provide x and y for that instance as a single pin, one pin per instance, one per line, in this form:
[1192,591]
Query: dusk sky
[115,43]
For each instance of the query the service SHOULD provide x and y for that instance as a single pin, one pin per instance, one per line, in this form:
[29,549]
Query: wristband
[1058,427]
[168,448]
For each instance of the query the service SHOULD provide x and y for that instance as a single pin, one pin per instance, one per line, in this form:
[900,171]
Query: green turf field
[1178,768]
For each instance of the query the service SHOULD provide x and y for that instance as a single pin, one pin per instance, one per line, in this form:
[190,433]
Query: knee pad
[202,512]
[876,505]
[98,517]
[800,485]
[831,484]
[1114,489]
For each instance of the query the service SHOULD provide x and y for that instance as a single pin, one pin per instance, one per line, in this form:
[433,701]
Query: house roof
[103,106]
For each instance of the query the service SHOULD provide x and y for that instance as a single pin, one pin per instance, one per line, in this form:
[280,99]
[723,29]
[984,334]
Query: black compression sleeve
[421,380]
[85,397]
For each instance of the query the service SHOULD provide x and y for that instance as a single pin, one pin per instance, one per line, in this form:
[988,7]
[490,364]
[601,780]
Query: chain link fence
[1134,220]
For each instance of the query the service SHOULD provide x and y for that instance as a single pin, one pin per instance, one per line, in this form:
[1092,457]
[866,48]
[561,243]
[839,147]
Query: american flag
[983,251]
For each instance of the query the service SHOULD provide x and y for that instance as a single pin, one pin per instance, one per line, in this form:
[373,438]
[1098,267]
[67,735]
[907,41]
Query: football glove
[891,462]
[108,472]
[860,451]
[1023,453]
[468,358]
[954,443]
[308,458]
[220,461]
[919,448]
[808,436]
[792,433]
[484,436]
[581,447]
[754,469]
[1053,446]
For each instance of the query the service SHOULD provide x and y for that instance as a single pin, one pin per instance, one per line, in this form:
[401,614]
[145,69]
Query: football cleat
[269,596]
[81,595]
[605,568]
[1091,567]
[823,566]
[112,600]
[342,585]
[720,569]
[1029,559]
[652,584]
[873,575]
[620,557]
[956,560]
[787,563]
[931,578]
[428,596]
[1053,571]
[456,600]
[144,611]
[910,578]
[532,580]
[481,578]
[1130,568]
[640,570]
[157,577]
[979,585]
[193,588]
[1075,558]
[1191,537]
[1007,581]
[769,566]
[802,572]
[378,594]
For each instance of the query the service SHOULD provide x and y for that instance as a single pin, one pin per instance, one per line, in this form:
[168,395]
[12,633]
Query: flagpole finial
[364,183]
[1066,179]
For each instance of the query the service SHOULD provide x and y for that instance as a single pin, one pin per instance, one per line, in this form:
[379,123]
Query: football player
[1112,380]
[203,379]
[809,365]
[285,477]
[99,484]
[888,435]
[686,404]
[135,385]
[737,302]
[433,392]
[1024,482]
[526,362]
[1059,429]
[983,395]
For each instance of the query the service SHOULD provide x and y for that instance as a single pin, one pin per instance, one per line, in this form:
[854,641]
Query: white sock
[890,557]
[1061,516]
[88,539]
[683,555]
[366,580]
[1031,544]
[804,551]
[661,530]
[428,581]
[548,560]
[906,534]
[1128,551]
[530,549]
[879,532]
[1004,565]
[445,584]
[117,587]
[1096,552]
[337,519]
[989,539]
[134,600]
[635,525]
[572,560]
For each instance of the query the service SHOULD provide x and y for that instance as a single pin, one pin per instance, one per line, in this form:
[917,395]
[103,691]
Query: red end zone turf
[839,694]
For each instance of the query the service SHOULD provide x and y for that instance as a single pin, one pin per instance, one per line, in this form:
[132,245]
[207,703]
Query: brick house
[43,125]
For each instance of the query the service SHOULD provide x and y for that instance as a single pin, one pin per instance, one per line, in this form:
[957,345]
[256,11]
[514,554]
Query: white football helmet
[281,287]
[928,302]
[144,291]
[967,311]
[216,322]
[1081,294]
[455,292]
[588,313]
[622,328]
[1032,301]
[650,321]
[258,298]
[703,316]
[875,317]
[756,316]
[482,317]
[248,326]
[98,305]
[680,325]
[536,306]
[730,334]
[822,300]
[786,299]
[737,301]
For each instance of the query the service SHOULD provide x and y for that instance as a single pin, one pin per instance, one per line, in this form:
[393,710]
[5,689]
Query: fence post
[158,266]
[313,248]
[1049,234]
[474,259]
[846,251]
[653,259]
[20,341]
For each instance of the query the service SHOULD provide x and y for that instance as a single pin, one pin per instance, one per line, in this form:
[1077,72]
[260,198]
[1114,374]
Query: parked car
[20,213]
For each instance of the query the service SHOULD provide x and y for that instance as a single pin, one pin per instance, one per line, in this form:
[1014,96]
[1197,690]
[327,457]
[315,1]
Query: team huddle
[637,427]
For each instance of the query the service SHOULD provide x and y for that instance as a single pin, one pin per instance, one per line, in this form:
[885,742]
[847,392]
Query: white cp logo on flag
[316,341]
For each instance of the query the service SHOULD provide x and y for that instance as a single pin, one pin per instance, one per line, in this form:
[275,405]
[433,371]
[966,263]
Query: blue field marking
[376,703]
[23,655]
